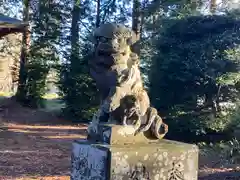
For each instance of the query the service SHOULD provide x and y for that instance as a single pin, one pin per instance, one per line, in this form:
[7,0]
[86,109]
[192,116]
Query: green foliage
[234,151]
[42,53]
[36,83]
[234,118]
[190,63]
[194,70]
[228,152]
[78,91]
[76,86]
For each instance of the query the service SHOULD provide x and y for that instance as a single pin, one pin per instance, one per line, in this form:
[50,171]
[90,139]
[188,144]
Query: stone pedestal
[111,154]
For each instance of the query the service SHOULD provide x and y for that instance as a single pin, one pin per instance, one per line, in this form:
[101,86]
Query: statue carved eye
[119,40]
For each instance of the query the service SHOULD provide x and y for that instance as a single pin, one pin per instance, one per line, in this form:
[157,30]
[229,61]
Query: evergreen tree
[193,71]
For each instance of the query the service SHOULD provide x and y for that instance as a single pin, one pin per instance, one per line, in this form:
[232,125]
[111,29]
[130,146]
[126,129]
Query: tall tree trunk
[218,98]
[136,18]
[72,73]
[22,91]
[142,14]
[74,57]
[74,33]
[137,23]
[98,18]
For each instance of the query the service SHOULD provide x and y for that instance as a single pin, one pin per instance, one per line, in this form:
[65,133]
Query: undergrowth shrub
[228,152]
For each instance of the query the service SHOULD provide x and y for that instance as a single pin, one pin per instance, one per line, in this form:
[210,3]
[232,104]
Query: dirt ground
[37,145]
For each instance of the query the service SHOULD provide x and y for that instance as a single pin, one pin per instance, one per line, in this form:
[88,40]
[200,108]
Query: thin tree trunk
[143,9]
[74,33]
[98,13]
[218,98]
[137,23]
[21,91]
[136,18]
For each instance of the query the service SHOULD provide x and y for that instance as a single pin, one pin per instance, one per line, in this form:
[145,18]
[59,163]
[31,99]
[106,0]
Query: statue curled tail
[152,122]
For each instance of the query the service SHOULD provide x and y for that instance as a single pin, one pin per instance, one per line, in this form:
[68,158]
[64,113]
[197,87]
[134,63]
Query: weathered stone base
[161,160]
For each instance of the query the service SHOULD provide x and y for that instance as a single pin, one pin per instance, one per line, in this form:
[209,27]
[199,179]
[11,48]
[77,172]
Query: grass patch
[46,96]
[6,94]
[51,96]
[53,104]
[52,100]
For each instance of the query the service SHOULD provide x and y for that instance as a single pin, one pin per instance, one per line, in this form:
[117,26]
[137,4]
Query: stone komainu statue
[115,68]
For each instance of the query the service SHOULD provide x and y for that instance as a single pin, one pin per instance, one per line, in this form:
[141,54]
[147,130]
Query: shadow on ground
[15,113]
[35,144]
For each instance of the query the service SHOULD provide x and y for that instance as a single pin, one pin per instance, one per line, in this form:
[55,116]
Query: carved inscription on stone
[139,172]
[176,172]
[149,163]
[88,163]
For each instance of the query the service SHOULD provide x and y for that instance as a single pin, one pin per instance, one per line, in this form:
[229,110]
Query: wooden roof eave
[10,25]
[6,31]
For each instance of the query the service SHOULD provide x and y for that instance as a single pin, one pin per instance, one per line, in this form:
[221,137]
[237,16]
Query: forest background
[190,63]
[189,51]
